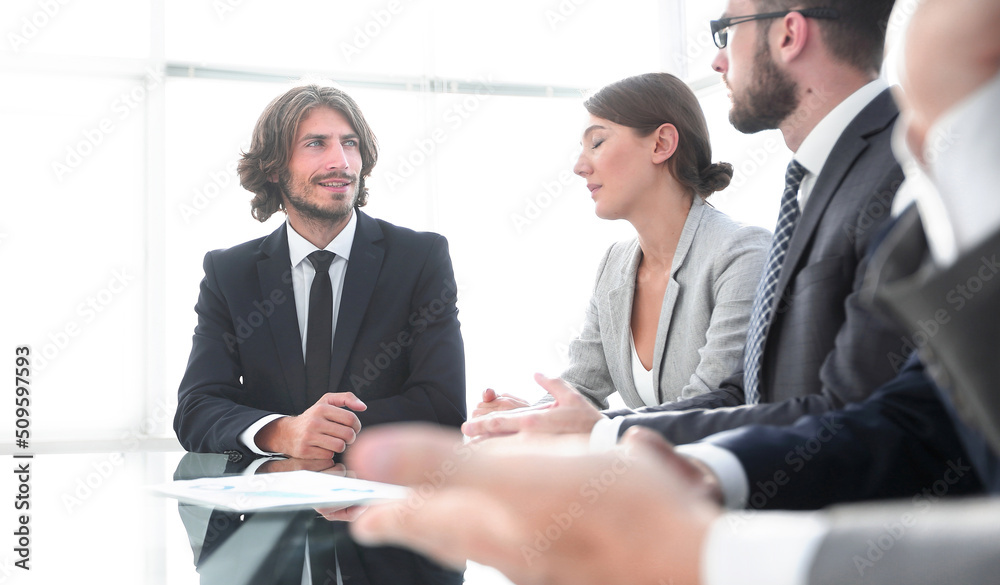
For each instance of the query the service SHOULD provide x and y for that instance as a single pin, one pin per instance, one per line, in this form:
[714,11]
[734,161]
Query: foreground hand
[699,477]
[493,402]
[326,428]
[540,511]
[570,413]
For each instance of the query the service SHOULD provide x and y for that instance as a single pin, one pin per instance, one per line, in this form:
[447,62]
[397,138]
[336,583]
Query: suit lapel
[359,283]
[619,307]
[274,272]
[673,289]
[852,142]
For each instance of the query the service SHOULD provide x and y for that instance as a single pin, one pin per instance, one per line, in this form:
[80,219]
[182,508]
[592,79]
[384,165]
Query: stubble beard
[295,197]
[769,100]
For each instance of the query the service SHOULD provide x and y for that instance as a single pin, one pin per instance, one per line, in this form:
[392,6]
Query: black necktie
[319,331]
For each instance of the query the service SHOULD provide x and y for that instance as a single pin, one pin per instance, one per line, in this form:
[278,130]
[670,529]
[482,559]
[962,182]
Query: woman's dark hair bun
[714,177]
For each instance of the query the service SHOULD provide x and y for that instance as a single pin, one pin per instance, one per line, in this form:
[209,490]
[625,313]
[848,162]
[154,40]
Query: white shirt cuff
[604,435]
[747,546]
[726,467]
[248,437]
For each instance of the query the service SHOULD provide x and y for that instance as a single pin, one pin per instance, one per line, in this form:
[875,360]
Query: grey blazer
[703,320]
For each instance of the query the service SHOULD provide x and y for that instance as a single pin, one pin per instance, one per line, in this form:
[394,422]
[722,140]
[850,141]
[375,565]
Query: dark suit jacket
[907,440]
[824,348]
[397,346]
[955,315]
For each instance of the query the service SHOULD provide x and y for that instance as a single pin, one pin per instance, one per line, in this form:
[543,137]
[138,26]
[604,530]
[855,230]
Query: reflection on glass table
[303,546]
[94,520]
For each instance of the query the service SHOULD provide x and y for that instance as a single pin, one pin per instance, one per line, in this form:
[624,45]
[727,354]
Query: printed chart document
[284,490]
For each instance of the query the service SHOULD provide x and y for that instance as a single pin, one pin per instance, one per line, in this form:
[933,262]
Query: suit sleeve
[862,352]
[434,386]
[588,365]
[660,418]
[918,542]
[822,460]
[209,416]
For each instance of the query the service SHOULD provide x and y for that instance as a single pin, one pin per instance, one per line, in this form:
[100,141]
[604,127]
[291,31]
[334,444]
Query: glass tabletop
[92,518]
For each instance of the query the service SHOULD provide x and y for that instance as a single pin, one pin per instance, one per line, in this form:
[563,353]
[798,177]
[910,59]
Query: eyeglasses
[721,36]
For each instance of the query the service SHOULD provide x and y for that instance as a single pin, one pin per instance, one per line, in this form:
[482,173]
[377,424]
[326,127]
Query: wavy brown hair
[646,102]
[271,144]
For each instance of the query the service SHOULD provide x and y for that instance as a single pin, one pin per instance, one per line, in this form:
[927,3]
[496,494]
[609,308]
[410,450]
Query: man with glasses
[720,28]
[811,70]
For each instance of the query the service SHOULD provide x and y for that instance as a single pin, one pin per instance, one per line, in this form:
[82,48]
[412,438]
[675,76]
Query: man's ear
[666,143]
[795,31]
[272,178]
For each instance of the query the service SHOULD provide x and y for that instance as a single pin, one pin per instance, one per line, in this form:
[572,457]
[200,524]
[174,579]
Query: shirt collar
[818,145]
[299,247]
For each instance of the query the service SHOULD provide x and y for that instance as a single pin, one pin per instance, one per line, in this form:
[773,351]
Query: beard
[770,98]
[295,194]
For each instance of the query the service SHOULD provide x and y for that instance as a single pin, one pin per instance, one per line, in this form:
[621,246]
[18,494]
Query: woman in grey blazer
[670,309]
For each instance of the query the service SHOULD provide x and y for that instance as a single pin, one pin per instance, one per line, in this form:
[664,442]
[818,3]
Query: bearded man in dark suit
[336,321]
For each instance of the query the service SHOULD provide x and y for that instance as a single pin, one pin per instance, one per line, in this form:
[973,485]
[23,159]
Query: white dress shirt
[817,146]
[303,274]
[642,378]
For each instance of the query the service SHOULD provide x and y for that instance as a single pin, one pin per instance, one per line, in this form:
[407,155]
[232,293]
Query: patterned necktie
[763,304]
[319,330]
